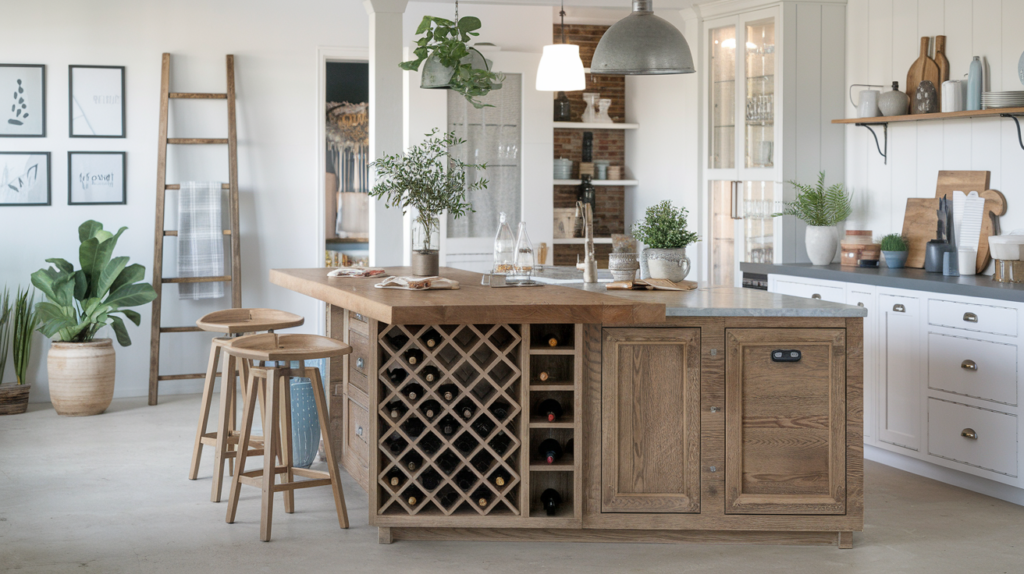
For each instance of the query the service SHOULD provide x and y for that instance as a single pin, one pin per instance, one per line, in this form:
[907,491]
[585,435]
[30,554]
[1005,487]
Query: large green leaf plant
[80,302]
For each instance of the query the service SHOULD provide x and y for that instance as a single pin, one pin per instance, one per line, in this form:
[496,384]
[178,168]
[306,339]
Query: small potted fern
[821,209]
[895,251]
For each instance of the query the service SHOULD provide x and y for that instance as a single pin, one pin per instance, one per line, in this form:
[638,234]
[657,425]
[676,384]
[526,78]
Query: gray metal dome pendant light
[436,76]
[642,44]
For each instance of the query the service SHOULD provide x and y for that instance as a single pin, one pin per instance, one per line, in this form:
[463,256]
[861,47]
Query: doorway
[346,146]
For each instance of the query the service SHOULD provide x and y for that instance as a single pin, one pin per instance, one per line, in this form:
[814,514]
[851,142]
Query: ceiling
[620,4]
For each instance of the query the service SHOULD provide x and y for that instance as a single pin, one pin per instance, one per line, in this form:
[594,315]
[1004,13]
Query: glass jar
[426,234]
[563,109]
[504,249]
[524,262]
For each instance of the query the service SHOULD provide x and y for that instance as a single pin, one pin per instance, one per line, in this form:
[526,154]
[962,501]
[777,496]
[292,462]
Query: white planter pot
[821,243]
[671,264]
[81,377]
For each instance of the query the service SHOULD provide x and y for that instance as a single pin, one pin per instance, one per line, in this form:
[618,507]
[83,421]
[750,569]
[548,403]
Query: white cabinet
[899,405]
[978,437]
[865,296]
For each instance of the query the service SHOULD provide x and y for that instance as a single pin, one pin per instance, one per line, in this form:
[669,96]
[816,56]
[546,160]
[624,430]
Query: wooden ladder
[158,243]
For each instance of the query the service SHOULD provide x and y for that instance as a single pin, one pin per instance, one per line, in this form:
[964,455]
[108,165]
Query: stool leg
[271,425]
[232,407]
[204,410]
[332,466]
[226,387]
[243,438]
[276,444]
[286,440]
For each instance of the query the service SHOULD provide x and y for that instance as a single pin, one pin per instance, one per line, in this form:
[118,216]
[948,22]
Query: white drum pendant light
[561,69]
[642,44]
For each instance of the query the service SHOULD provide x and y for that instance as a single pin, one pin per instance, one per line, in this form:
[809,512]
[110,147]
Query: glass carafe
[524,254]
[504,249]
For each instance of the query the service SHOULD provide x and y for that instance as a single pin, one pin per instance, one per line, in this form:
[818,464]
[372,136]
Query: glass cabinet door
[759,93]
[758,223]
[722,98]
[722,249]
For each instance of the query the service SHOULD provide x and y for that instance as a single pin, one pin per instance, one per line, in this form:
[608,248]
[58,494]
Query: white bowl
[1006,247]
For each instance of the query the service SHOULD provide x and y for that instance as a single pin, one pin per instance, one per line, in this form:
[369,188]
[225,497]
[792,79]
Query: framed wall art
[96,102]
[22,100]
[96,178]
[24,178]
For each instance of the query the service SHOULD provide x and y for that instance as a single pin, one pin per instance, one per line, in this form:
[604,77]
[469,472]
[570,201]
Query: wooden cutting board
[968,181]
[995,203]
[919,224]
[923,68]
[943,64]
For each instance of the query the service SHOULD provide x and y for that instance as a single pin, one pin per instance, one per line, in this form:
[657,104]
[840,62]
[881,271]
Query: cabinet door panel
[785,422]
[899,388]
[651,420]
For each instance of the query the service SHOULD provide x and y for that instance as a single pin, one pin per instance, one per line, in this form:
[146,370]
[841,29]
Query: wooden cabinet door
[785,426]
[650,431]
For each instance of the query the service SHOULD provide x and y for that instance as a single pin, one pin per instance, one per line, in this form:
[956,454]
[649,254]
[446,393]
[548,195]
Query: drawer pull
[860,304]
[970,317]
[785,355]
[969,365]
[969,433]
[359,431]
[899,308]
[816,296]
[359,317]
[359,362]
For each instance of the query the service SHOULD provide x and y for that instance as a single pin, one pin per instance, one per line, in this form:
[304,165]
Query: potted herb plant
[450,64]
[17,323]
[895,250]
[80,302]
[431,180]
[664,232]
[821,209]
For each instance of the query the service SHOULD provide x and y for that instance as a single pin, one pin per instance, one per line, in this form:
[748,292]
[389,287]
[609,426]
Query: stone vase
[821,243]
[81,377]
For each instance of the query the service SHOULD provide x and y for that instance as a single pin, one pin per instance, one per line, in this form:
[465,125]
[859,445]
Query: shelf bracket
[885,136]
[1016,121]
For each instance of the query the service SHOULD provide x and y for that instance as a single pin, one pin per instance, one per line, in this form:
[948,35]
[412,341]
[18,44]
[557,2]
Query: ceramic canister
[952,96]
[894,103]
[868,107]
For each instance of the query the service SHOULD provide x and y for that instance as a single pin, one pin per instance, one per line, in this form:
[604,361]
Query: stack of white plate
[996,100]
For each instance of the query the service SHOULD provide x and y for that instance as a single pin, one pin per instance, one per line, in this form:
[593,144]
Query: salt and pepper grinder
[563,109]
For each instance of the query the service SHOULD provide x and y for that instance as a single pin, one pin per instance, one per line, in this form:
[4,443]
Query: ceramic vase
[975,82]
[81,377]
[893,103]
[671,264]
[821,243]
[305,423]
[926,101]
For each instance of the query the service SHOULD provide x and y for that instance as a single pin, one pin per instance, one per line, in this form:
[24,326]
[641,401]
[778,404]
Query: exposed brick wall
[566,254]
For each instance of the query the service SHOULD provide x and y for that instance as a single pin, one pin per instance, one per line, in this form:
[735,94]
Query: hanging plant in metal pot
[448,63]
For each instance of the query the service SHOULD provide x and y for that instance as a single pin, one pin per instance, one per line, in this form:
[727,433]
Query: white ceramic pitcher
[868,106]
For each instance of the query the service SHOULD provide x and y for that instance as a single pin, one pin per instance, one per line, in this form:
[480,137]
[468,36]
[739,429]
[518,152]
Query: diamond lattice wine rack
[450,412]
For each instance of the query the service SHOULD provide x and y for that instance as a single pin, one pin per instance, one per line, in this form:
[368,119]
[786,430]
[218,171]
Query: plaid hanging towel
[200,239]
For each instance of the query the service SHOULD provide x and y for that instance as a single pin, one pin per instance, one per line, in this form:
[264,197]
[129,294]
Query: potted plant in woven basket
[431,180]
[80,302]
[17,323]
[821,209]
[664,232]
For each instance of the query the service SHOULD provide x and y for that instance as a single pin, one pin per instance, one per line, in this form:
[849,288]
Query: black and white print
[96,178]
[22,100]
[24,178]
[96,101]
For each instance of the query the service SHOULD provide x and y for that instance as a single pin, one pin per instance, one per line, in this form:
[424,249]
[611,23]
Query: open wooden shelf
[552,351]
[332,240]
[579,240]
[600,182]
[552,386]
[539,422]
[565,464]
[596,126]
[935,116]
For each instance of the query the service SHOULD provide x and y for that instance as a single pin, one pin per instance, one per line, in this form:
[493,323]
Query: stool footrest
[302,484]
[231,439]
[317,478]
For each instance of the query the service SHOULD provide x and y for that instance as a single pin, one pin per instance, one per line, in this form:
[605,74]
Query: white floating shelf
[580,240]
[600,182]
[596,126]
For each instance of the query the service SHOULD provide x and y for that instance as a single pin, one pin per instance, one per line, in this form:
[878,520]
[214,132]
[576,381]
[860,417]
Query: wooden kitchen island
[717,415]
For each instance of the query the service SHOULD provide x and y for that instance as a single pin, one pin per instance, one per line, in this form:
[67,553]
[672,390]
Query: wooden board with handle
[923,68]
[919,223]
[968,181]
[995,205]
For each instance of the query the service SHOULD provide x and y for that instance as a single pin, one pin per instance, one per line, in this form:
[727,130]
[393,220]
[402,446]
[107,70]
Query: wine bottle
[447,463]
[430,479]
[413,461]
[483,426]
[413,427]
[430,409]
[569,445]
[482,461]
[413,356]
[550,500]
[448,392]
[500,410]
[396,409]
[448,498]
[549,450]
[465,479]
[430,444]
[398,341]
[430,374]
[396,443]
[550,409]
[412,391]
[466,410]
[482,496]
[553,340]
[431,338]
[396,376]
[500,477]
[543,376]
[448,425]
[413,496]
[465,444]
[395,477]
[500,443]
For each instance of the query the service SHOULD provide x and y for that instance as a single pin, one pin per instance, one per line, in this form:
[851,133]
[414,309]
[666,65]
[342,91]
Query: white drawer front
[811,291]
[983,318]
[995,445]
[980,369]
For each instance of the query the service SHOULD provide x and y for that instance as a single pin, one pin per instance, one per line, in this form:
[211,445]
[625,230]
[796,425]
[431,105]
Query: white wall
[275,46]
[883,40]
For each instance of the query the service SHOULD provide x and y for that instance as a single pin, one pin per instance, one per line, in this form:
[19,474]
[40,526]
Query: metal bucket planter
[437,76]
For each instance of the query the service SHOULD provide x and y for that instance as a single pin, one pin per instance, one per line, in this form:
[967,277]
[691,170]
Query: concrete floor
[109,494]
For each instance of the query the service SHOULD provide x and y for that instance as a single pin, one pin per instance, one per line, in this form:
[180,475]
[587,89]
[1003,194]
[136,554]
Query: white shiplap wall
[882,41]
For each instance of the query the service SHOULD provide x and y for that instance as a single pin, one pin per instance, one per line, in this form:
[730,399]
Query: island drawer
[358,323]
[358,380]
[973,436]
[974,368]
[982,318]
[356,454]
[359,360]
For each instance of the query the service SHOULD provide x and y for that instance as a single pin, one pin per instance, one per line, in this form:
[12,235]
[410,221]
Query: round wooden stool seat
[286,347]
[236,321]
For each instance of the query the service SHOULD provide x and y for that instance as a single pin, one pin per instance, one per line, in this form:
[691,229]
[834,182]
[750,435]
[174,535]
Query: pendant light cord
[560,13]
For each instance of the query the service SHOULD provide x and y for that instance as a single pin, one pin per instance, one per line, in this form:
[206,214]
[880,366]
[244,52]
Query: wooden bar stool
[230,322]
[272,382]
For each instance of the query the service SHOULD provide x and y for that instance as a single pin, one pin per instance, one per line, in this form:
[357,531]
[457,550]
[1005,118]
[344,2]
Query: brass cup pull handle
[970,317]
[360,317]
[969,365]
[359,431]
[359,363]
[860,303]
[816,296]
[899,308]
[969,433]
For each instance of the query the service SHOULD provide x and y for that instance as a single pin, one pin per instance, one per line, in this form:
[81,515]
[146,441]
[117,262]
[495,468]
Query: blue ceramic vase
[305,424]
